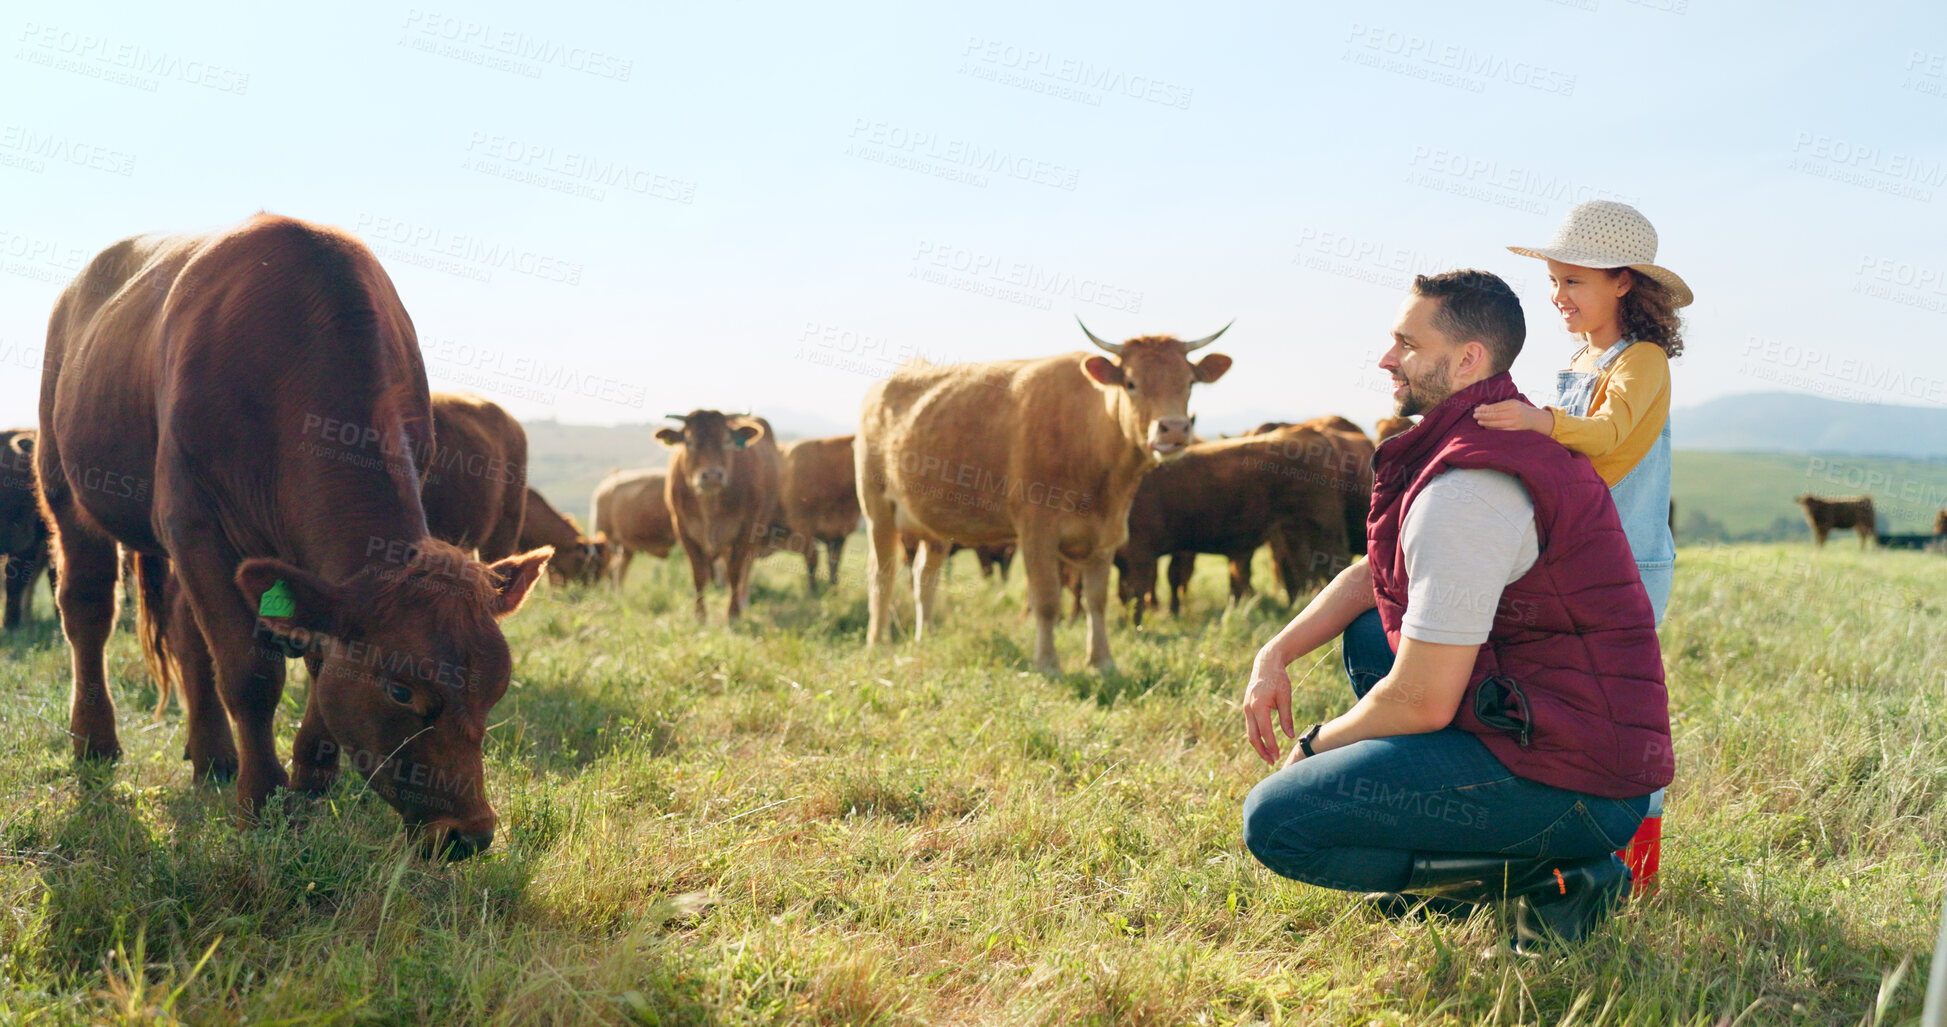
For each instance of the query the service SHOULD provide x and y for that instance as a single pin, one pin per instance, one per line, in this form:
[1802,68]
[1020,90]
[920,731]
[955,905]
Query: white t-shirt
[1469,534]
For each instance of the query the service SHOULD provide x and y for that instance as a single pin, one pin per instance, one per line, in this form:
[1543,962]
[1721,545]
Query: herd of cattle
[237,426]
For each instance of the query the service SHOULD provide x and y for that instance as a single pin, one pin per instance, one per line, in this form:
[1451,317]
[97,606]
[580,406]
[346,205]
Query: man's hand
[1514,415]
[1270,689]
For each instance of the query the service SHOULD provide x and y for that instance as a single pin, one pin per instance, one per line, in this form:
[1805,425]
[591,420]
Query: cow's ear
[514,576]
[1103,370]
[670,436]
[1212,367]
[749,432]
[288,598]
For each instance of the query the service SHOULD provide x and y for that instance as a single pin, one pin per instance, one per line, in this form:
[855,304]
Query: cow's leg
[1041,562]
[834,551]
[1140,580]
[811,565]
[211,752]
[249,672]
[926,583]
[703,570]
[737,567]
[619,566]
[20,587]
[882,563]
[1866,535]
[1095,586]
[86,598]
[1240,578]
[1182,566]
[314,752]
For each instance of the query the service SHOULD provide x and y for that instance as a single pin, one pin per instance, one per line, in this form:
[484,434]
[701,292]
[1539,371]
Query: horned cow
[1047,453]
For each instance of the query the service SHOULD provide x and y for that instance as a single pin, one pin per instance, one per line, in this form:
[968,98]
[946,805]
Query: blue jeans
[1353,818]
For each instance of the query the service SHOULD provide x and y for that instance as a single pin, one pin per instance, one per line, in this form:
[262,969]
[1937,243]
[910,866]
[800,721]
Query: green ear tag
[737,438]
[277,601]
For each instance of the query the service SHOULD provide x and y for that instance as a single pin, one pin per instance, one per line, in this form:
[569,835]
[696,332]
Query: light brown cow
[1045,452]
[633,512]
[23,531]
[1855,512]
[821,502]
[578,558]
[476,489]
[722,494]
[1387,427]
[1939,523]
[251,406]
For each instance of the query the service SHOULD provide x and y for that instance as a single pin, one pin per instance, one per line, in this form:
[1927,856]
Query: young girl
[1613,402]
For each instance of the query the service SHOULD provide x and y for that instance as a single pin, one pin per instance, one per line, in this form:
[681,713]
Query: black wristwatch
[1311,735]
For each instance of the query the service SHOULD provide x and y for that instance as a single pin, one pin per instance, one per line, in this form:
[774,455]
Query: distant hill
[1789,422]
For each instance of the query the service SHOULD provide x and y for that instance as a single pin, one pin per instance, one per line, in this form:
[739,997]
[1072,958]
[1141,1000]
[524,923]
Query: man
[1511,719]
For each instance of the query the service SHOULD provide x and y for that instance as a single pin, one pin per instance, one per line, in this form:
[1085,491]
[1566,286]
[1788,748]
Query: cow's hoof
[1104,667]
[214,770]
[97,752]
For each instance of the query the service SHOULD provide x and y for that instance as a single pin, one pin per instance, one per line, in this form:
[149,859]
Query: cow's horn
[1113,347]
[685,418]
[1189,347]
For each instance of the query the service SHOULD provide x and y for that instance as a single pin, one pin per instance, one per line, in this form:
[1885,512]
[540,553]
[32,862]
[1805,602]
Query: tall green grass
[768,823]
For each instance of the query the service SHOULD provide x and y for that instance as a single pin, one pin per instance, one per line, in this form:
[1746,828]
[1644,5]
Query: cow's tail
[152,625]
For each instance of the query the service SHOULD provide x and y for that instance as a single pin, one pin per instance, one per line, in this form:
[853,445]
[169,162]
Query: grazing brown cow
[1855,512]
[250,405]
[23,531]
[1310,556]
[1387,427]
[476,490]
[1047,453]
[1231,496]
[820,503]
[722,493]
[632,511]
[578,558]
[1940,523]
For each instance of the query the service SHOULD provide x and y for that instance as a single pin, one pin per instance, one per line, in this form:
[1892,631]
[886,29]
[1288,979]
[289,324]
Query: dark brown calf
[251,405]
[1855,512]
[23,531]
[722,493]
[1231,496]
[476,488]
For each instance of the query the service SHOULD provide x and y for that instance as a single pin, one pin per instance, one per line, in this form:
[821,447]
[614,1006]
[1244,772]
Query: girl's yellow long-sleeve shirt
[1627,411]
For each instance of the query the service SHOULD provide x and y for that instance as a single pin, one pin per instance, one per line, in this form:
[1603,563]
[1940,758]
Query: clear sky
[600,213]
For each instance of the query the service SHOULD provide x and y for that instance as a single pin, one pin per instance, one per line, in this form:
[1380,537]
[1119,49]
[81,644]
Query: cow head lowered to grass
[409,658]
[1152,375]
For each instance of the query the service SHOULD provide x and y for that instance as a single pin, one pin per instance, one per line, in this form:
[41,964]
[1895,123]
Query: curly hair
[1647,315]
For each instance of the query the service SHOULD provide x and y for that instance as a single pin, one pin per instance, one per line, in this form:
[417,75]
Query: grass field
[768,823]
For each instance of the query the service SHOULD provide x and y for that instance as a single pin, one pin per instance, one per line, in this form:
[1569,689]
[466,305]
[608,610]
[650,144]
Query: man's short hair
[1477,306]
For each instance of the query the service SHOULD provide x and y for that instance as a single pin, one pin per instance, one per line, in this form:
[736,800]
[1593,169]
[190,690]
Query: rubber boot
[1397,905]
[1582,895]
[1455,885]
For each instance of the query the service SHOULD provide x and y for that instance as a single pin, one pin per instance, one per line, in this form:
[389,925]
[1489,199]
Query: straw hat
[1607,234]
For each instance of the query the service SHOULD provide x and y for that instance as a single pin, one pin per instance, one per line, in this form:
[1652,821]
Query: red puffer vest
[1568,689]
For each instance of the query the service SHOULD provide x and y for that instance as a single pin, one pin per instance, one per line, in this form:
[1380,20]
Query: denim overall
[1642,497]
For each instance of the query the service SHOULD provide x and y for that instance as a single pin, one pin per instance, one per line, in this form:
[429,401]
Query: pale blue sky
[749,217]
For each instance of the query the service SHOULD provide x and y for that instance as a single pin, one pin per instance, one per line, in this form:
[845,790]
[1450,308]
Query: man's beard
[1425,393]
